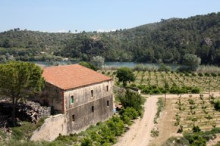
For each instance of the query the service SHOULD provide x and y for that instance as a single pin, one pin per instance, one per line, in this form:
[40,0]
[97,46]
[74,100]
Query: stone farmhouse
[83,96]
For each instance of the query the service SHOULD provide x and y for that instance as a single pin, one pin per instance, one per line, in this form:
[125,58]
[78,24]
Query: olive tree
[98,61]
[191,61]
[125,75]
[19,80]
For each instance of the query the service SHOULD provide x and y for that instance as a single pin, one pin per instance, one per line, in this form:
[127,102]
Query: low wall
[50,130]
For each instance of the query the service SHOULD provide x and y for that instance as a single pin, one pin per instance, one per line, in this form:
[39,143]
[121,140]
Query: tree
[191,61]
[20,80]
[88,65]
[124,75]
[133,100]
[98,61]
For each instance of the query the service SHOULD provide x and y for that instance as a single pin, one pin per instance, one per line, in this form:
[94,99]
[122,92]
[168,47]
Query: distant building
[84,96]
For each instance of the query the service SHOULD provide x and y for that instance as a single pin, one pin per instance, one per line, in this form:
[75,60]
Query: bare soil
[139,132]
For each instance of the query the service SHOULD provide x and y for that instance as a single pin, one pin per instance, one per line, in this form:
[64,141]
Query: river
[108,64]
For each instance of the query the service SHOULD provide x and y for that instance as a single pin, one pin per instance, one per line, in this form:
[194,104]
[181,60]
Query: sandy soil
[139,132]
[166,125]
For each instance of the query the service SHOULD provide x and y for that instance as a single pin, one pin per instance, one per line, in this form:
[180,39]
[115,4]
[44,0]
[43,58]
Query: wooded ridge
[166,41]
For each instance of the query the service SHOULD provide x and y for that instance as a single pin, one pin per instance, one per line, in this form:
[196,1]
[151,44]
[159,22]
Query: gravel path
[140,131]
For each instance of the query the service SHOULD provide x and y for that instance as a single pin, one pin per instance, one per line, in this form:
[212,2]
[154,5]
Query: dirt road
[139,132]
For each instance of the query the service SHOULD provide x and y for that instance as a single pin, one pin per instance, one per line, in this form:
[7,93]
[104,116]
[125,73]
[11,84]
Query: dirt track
[139,132]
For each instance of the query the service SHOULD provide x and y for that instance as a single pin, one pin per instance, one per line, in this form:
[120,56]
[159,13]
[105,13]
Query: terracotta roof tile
[72,76]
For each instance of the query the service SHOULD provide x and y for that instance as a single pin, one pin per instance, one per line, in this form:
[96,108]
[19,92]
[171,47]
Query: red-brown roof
[72,76]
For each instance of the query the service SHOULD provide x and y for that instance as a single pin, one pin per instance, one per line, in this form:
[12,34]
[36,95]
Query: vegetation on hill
[166,41]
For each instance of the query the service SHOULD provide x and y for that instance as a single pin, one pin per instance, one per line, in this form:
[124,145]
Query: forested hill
[166,41]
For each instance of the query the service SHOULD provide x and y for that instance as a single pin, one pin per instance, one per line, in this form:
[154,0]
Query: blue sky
[92,15]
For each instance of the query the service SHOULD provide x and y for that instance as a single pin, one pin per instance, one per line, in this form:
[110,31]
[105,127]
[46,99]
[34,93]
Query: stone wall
[88,108]
[85,115]
[52,96]
[83,95]
[50,130]
[91,104]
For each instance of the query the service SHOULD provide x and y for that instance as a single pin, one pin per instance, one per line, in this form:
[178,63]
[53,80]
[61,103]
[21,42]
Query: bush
[194,74]
[86,142]
[195,90]
[88,65]
[132,99]
[196,129]
[195,139]
[176,141]
[163,67]
[207,74]
[128,114]
[214,74]
[217,105]
[160,106]
[25,130]
[200,74]
[154,133]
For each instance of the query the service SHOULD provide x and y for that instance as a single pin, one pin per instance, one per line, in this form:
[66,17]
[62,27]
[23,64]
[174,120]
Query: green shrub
[128,114]
[193,74]
[217,105]
[195,139]
[196,129]
[214,74]
[160,106]
[191,101]
[207,74]
[176,141]
[163,67]
[154,133]
[132,99]
[86,142]
[195,90]
[200,74]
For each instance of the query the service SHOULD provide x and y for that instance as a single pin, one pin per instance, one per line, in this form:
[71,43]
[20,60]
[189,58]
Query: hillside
[166,41]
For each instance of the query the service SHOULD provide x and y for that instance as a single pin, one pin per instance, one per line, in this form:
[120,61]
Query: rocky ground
[29,111]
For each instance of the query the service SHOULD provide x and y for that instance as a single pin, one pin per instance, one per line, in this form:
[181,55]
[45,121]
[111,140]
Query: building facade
[84,96]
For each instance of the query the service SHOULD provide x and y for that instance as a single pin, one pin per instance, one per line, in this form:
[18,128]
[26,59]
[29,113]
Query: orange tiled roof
[72,76]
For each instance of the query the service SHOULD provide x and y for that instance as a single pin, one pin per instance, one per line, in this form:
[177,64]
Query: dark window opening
[107,88]
[73,118]
[92,93]
[107,102]
[71,99]
[92,108]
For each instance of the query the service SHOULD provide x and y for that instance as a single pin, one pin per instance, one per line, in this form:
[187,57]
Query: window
[107,88]
[92,108]
[107,102]
[91,93]
[73,118]
[71,99]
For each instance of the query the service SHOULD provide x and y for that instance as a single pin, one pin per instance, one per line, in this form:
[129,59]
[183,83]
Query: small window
[92,108]
[107,88]
[73,118]
[107,102]
[71,99]
[91,93]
